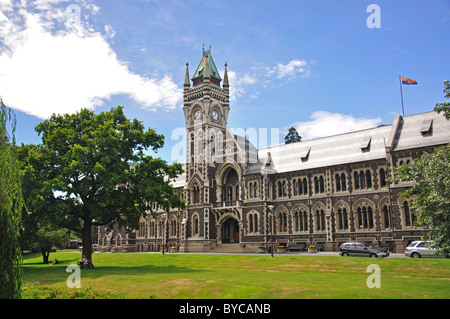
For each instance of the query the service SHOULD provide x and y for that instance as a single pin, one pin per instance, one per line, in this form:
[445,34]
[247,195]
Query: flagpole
[401,93]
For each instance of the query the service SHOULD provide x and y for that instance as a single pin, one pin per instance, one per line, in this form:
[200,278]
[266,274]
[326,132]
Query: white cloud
[238,83]
[291,70]
[266,76]
[53,62]
[110,32]
[326,124]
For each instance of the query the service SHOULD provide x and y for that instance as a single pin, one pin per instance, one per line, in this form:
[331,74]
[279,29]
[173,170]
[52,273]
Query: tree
[431,194]
[10,209]
[292,136]
[87,166]
[444,106]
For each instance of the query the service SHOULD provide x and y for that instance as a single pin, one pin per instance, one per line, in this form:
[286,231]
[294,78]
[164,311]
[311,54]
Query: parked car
[359,249]
[420,248]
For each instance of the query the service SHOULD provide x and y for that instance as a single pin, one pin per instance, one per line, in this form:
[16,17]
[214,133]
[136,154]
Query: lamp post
[270,214]
[163,220]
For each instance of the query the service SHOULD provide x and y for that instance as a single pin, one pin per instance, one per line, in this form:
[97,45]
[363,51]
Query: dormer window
[365,144]
[427,128]
[304,155]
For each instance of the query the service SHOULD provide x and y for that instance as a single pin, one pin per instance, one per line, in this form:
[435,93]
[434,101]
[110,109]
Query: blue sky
[315,65]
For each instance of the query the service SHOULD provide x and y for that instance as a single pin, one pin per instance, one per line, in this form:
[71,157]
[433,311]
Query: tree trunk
[45,255]
[87,244]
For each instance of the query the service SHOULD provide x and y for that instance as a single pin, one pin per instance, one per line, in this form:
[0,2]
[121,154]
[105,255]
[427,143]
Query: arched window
[252,192]
[410,218]
[370,217]
[342,219]
[195,193]
[282,222]
[365,217]
[300,187]
[295,186]
[362,180]
[300,220]
[252,223]
[280,190]
[195,225]
[320,220]
[322,185]
[305,186]
[230,194]
[368,179]
[337,178]
[173,228]
[284,189]
[141,231]
[356,180]
[151,229]
[343,183]
[297,221]
[316,185]
[382,177]
[386,217]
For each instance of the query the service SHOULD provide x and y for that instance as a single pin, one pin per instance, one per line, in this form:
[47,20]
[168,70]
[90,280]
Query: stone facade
[321,192]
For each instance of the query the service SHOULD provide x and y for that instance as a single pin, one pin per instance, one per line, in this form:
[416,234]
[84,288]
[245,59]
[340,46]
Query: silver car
[419,248]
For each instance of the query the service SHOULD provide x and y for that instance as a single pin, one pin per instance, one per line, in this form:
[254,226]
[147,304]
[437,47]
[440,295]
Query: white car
[419,248]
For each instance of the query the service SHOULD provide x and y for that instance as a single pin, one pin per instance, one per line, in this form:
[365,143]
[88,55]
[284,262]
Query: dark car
[359,249]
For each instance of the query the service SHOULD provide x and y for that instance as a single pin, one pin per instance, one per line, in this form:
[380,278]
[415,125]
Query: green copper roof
[213,72]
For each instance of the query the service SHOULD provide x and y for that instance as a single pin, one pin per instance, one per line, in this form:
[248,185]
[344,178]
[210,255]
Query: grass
[174,276]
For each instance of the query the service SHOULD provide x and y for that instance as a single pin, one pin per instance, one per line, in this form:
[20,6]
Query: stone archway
[230,231]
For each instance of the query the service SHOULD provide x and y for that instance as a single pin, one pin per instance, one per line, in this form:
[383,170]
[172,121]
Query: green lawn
[245,276]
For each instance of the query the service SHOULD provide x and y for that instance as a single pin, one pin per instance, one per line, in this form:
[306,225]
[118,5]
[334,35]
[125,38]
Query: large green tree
[40,231]
[10,209]
[98,172]
[431,194]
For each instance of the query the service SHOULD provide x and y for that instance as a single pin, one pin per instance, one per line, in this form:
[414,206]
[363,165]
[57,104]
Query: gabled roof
[420,130]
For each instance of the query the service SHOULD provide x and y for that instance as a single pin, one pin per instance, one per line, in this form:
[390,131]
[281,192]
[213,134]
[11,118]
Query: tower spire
[226,85]
[187,83]
[206,71]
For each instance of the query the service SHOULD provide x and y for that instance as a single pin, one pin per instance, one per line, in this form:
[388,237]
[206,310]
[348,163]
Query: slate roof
[409,132]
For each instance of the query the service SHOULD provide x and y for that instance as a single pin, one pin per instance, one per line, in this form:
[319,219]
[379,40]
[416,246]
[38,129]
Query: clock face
[197,114]
[215,115]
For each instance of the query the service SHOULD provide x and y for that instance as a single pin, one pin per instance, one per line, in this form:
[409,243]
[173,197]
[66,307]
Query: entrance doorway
[230,231]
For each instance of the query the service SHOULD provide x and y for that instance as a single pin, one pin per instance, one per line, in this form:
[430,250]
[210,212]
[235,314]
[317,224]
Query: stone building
[320,192]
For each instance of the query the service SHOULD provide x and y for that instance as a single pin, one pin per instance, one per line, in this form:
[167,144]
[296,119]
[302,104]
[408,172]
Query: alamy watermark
[374,280]
[199,145]
[73,280]
[374,19]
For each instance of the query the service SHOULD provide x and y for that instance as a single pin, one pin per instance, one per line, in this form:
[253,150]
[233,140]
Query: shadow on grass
[50,274]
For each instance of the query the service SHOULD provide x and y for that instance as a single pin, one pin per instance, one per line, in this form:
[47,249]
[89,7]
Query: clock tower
[206,103]
[206,108]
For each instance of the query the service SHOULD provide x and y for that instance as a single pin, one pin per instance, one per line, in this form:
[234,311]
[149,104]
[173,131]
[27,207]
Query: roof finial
[203,48]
